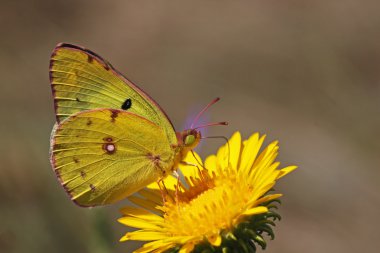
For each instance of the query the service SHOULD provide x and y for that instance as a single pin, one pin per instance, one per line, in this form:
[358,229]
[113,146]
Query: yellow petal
[267,154]
[256,210]
[161,245]
[261,190]
[215,239]
[221,156]
[153,186]
[191,170]
[153,195]
[267,176]
[265,159]
[263,173]
[234,152]
[264,199]
[285,171]
[250,150]
[230,152]
[155,247]
[170,183]
[138,223]
[140,213]
[145,249]
[211,164]
[141,235]
[143,203]
[163,248]
[187,248]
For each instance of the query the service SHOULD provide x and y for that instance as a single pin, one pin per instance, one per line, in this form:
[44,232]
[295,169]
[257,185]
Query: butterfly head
[189,138]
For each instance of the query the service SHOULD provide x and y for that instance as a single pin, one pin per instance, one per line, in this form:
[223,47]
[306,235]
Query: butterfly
[110,139]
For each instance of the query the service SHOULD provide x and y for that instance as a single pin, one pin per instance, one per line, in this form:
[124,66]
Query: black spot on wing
[127,104]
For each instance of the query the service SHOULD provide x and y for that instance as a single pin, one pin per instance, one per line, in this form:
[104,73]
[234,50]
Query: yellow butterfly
[111,139]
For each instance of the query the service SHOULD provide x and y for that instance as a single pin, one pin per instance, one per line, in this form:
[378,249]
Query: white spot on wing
[110,147]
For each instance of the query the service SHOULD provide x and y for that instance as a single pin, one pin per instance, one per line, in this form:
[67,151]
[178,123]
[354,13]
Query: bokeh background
[304,72]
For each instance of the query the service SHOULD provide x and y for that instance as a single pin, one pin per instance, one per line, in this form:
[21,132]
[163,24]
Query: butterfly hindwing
[81,80]
[103,155]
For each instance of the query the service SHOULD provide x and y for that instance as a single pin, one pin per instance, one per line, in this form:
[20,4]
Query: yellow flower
[223,203]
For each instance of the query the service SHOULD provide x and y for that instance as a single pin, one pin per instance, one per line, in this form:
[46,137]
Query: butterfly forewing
[104,155]
[82,80]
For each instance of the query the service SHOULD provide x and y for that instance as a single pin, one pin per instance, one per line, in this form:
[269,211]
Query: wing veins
[90,130]
[85,94]
[86,86]
[84,64]
[79,65]
[84,166]
[106,179]
[58,158]
[97,79]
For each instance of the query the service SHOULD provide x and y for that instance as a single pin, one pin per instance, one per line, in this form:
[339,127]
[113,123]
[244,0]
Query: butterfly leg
[194,165]
[177,186]
[163,189]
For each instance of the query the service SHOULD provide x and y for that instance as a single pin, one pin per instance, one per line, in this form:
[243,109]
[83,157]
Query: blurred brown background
[304,72]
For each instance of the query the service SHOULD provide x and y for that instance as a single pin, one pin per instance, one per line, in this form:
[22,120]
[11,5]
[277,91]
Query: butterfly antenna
[224,123]
[221,137]
[203,110]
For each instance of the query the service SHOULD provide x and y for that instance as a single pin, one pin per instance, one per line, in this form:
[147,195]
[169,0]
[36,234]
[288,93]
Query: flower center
[207,207]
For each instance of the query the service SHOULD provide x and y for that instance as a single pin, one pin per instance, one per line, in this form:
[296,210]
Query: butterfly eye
[189,139]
